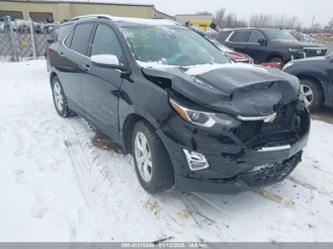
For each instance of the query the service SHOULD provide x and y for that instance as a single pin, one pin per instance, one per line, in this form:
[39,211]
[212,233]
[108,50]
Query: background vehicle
[316,75]
[242,58]
[235,56]
[201,25]
[267,45]
[155,88]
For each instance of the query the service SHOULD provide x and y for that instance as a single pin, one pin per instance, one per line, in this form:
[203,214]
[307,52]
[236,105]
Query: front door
[100,85]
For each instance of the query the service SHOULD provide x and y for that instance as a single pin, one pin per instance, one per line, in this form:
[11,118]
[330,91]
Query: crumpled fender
[231,88]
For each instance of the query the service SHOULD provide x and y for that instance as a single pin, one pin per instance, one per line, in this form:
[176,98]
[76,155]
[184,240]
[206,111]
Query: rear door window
[81,38]
[256,36]
[241,36]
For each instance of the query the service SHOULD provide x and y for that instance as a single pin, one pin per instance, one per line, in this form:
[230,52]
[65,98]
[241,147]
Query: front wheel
[152,163]
[311,94]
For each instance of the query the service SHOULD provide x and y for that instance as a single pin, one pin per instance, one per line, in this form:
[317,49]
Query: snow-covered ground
[57,185]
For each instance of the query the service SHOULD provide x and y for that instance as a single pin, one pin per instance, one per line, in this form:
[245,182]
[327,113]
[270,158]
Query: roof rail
[91,16]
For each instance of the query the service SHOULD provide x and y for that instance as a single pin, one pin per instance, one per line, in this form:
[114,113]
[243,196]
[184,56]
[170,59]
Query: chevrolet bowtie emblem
[271,118]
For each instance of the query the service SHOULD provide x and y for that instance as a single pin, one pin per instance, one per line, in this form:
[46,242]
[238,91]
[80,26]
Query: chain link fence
[21,40]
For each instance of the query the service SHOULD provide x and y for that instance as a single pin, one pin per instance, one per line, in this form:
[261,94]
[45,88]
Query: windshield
[174,46]
[274,35]
[221,46]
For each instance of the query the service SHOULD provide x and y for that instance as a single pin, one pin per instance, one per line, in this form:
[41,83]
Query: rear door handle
[62,54]
[85,67]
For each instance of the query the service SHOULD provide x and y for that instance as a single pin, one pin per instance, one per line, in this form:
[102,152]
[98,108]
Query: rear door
[255,49]
[72,56]
[101,85]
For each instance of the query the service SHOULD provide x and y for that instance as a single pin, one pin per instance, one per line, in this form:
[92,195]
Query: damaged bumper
[255,156]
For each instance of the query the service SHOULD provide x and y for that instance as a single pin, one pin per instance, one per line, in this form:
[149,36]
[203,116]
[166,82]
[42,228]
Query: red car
[240,57]
[235,56]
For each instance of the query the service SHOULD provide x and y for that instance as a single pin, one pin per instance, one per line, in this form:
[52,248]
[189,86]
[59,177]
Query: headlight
[294,50]
[205,119]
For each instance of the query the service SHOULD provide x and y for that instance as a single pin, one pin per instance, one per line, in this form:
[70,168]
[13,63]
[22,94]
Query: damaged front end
[261,140]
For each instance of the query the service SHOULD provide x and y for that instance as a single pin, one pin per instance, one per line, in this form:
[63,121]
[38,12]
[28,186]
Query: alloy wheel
[58,96]
[143,157]
[306,95]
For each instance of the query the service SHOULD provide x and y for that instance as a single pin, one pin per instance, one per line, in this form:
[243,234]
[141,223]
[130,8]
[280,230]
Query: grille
[271,173]
[313,52]
[256,133]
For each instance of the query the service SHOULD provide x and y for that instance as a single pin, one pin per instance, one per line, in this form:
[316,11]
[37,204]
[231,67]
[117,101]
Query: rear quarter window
[63,31]
[223,35]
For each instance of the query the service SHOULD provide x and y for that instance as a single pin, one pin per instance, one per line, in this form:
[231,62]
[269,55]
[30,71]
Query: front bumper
[234,166]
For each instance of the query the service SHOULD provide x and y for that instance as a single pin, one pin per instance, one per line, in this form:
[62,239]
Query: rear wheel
[311,94]
[59,99]
[152,163]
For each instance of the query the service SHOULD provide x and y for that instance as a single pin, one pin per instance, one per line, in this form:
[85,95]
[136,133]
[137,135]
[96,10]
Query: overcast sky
[303,9]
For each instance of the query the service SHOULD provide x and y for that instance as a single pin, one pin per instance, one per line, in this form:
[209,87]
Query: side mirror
[262,42]
[106,60]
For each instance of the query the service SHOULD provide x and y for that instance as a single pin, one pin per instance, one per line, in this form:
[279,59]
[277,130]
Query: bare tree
[277,21]
[219,17]
[330,24]
[228,20]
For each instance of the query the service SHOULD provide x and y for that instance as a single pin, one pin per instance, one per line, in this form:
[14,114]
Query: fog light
[195,160]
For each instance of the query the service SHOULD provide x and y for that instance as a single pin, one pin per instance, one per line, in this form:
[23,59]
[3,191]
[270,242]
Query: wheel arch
[314,79]
[127,128]
[52,75]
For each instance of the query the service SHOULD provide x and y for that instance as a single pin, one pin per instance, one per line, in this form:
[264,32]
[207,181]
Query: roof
[131,20]
[80,2]
[249,28]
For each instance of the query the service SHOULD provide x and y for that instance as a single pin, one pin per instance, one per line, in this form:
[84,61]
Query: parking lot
[62,181]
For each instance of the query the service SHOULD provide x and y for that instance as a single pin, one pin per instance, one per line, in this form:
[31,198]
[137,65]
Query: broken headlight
[205,119]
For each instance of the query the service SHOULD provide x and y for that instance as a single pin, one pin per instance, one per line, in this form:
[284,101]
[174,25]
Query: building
[40,10]
[194,17]
[161,15]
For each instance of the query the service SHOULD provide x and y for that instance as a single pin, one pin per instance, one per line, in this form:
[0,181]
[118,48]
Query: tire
[311,94]
[160,177]
[58,95]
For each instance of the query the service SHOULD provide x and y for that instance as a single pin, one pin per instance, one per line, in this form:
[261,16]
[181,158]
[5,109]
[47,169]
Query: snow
[56,185]
[205,68]
[144,21]
[141,21]
[199,69]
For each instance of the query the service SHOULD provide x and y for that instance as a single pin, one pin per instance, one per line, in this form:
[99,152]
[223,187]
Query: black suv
[189,117]
[268,45]
[316,76]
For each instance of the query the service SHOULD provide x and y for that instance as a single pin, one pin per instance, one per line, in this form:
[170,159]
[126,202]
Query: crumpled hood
[238,89]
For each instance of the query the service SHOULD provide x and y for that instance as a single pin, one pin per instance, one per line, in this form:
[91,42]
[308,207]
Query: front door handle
[85,67]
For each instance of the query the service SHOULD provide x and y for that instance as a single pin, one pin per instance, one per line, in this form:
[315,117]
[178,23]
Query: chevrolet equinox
[190,118]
